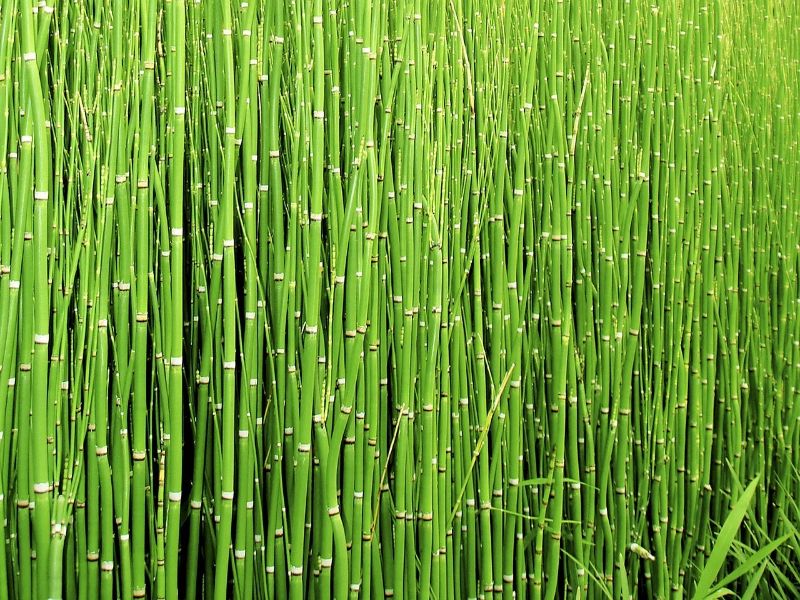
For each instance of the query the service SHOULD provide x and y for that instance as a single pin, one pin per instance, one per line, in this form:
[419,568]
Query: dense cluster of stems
[399,299]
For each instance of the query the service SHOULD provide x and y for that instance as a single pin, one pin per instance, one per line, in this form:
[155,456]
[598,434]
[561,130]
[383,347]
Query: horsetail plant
[401,299]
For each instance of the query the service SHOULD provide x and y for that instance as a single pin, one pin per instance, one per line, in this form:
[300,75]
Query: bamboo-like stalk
[399,299]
